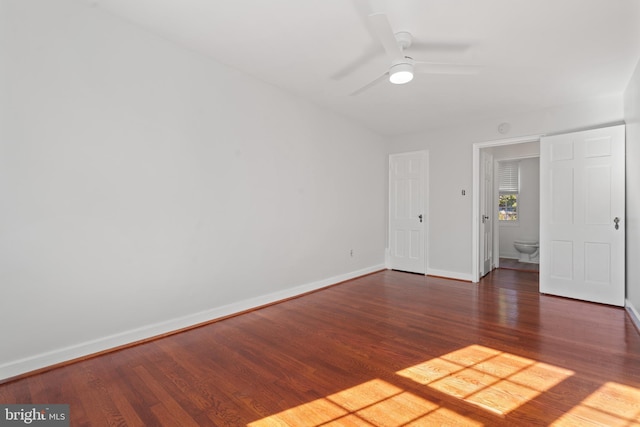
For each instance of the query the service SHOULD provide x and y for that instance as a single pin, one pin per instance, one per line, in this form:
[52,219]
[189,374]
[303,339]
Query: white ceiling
[533,53]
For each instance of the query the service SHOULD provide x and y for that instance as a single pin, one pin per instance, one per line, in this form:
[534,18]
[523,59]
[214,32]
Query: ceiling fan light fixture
[400,74]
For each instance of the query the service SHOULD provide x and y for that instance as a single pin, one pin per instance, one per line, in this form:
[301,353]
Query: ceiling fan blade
[370,84]
[439,47]
[364,58]
[382,28]
[444,68]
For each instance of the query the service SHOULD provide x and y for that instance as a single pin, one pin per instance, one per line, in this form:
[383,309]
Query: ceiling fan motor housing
[404,39]
[401,73]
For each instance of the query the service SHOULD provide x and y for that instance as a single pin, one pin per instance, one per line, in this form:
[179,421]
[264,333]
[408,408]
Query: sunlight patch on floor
[496,381]
[612,404]
[491,379]
[373,403]
[315,413]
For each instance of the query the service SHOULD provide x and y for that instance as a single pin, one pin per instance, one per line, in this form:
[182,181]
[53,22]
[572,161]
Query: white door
[407,248]
[486,213]
[582,208]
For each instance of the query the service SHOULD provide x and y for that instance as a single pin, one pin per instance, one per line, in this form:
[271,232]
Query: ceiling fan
[402,66]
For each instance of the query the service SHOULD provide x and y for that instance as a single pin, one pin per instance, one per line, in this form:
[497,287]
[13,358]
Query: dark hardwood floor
[514,264]
[388,349]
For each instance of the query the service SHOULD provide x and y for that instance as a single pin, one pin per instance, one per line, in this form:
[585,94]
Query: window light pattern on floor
[372,403]
[612,404]
[495,381]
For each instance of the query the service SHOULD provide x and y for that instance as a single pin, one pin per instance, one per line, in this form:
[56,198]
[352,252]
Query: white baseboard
[39,361]
[450,274]
[634,314]
[510,256]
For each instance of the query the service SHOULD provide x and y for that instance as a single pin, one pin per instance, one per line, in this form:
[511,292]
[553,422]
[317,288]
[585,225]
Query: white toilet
[528,250]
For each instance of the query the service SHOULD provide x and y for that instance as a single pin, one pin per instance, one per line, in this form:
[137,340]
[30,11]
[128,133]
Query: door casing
[476,238]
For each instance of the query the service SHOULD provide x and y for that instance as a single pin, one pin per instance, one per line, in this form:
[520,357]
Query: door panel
[407,213]
[582,189]
[561,187]
[561,254]
[486,213]
[598,182]
[597,265]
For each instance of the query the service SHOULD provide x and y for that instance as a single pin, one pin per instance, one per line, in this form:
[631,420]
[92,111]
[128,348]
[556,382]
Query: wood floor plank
[390,348]
[167,403]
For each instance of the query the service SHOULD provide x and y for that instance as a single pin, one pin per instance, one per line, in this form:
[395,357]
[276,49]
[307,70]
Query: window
[509,187]
[508,207]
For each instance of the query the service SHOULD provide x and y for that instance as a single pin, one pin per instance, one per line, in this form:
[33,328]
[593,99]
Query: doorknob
[616,220]
[420,217]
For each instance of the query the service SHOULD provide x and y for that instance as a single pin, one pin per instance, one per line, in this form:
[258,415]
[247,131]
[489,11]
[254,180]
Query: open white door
[486,213]
[582,208]
[407,219]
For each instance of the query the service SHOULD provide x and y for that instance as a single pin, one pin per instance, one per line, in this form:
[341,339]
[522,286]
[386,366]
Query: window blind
[509,173]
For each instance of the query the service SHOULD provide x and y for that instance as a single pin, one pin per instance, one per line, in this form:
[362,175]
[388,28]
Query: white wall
[527,227]
[146,188]
[450,156]
[632,118]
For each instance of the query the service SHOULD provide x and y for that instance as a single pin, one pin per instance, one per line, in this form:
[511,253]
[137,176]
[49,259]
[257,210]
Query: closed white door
[407,248]
[486,213]
[582,208]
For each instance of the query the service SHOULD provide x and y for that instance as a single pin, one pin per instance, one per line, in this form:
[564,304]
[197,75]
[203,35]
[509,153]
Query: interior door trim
[475,194]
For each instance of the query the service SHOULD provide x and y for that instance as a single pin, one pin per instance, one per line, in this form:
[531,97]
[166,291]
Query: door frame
[476,238]
[425,207]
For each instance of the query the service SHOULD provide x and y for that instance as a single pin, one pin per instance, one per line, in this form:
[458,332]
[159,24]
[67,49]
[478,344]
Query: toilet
[528,250]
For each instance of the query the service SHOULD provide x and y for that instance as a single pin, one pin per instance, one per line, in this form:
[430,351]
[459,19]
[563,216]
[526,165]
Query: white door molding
[475,226]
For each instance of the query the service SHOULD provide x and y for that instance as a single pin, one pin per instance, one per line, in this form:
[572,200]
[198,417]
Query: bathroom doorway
[526,149]
[517,191]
